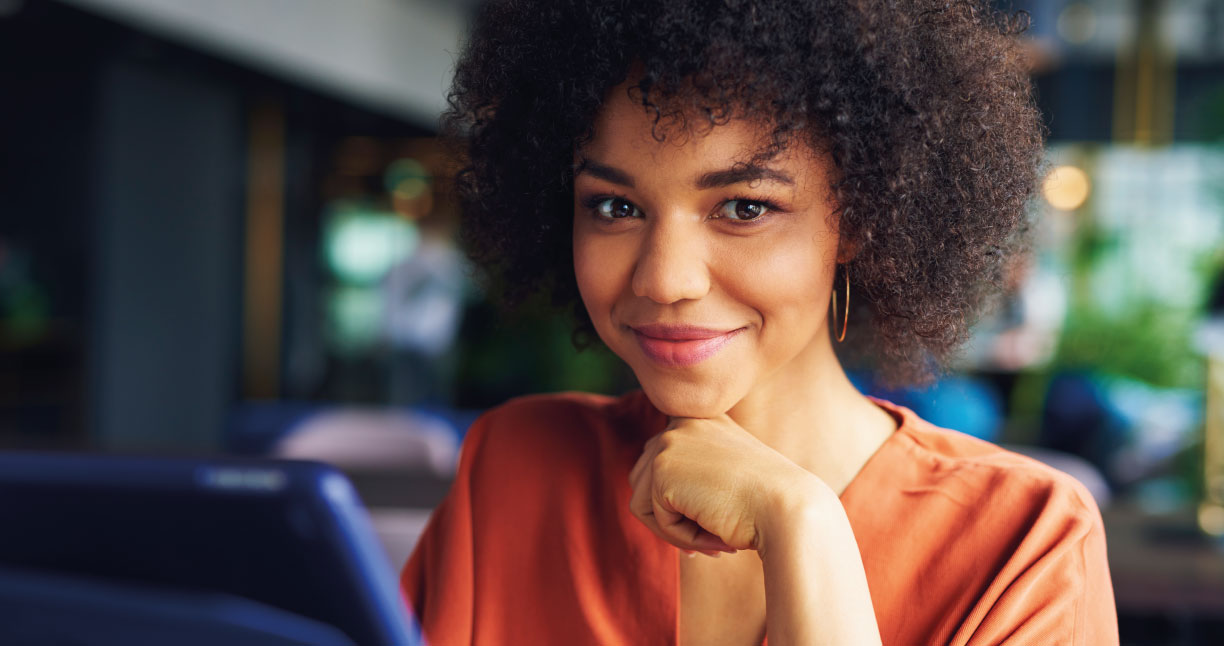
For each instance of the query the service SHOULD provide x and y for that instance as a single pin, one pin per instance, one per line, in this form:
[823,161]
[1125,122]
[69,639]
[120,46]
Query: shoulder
[1029,542]
[980,487]
[997,541]
[965,466]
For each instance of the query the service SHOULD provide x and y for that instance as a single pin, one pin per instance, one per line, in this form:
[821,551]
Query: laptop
[135,550]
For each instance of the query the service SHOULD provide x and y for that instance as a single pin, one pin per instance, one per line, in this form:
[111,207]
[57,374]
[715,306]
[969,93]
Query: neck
[811,413]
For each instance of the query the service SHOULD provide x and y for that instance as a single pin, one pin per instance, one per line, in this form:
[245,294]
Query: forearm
[815,586]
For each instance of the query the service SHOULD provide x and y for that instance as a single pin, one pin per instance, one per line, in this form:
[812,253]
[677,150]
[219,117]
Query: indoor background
[226,227]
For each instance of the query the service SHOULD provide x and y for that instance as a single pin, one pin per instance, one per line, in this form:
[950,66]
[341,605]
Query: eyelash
[771,208]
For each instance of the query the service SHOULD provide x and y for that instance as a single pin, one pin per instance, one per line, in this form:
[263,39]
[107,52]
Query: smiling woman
[699,180]
[708,274]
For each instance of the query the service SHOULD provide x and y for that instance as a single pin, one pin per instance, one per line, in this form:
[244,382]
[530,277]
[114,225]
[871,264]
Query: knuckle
[665,498]
[680,424]
[668,438]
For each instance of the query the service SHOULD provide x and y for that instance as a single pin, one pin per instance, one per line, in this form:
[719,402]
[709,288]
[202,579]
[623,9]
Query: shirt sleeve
[1055,588]
[437,581]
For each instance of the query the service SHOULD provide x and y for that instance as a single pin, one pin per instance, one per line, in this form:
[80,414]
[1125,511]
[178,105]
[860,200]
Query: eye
[743,210]
[615,208]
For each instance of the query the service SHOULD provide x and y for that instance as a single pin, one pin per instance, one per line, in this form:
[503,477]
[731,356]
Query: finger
[636,471]
[684,532]
[674,423]
[708,541]
[639,502]
[673,524]
[690,536]
[642,466]
[650,449]
[675,528]
[644,508]
[662,519]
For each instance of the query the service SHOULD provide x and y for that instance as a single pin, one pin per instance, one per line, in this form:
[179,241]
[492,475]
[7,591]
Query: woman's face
[710,277]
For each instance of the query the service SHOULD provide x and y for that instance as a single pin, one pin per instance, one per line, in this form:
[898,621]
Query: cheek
[596,270]
[787,281]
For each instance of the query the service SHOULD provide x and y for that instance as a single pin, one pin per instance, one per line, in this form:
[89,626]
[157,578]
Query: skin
[765,433]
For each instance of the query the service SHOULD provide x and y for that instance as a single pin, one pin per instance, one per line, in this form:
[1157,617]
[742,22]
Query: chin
[678,399]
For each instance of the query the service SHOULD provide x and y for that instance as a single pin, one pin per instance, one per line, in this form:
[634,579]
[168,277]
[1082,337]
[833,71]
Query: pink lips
[681,345]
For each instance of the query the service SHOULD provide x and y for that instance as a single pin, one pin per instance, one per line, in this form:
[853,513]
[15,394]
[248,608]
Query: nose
[671,264]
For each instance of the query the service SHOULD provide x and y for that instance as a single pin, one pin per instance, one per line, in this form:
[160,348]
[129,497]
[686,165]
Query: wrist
[798,512]
[815,584]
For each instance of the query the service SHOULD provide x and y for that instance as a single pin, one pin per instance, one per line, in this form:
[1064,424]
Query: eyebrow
[604,172]
[740,173]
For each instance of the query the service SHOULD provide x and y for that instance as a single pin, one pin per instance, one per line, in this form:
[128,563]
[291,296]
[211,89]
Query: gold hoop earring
[846,314]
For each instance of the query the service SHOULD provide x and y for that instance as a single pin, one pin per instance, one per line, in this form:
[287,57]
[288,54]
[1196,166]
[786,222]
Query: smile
[681,345]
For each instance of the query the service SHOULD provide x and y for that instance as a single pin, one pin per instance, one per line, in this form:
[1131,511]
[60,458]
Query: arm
[710,485]
[815,586]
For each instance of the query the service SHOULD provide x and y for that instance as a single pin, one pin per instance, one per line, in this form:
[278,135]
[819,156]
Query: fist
[709,485]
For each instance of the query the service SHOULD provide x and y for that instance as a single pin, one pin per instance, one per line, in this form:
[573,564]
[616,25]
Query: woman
[702,180]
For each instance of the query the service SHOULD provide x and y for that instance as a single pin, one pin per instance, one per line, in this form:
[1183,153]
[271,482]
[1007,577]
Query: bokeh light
[361,246]
[1211,519]
[1077,23]
[409,183]
[1066,188]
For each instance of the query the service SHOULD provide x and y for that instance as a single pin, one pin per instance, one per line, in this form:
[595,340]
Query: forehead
[630,135]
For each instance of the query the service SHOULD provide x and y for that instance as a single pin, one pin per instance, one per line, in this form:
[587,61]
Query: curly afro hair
[924,106]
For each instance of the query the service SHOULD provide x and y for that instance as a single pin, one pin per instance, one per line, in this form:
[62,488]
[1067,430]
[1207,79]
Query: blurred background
[226,227]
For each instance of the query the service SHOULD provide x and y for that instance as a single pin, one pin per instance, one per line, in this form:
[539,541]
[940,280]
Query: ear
[848,248]
[848,242]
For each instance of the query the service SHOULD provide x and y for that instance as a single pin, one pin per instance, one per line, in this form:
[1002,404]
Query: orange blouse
[963,543]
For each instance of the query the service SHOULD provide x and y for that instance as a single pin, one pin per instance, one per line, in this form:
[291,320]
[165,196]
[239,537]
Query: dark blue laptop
[119,550]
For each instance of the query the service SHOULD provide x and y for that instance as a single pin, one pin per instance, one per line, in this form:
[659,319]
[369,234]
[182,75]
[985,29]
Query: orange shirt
[963,543]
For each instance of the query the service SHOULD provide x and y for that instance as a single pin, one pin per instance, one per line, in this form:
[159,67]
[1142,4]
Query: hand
[709,485]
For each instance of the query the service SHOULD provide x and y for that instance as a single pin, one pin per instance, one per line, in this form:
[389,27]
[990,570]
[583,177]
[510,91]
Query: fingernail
[691,554]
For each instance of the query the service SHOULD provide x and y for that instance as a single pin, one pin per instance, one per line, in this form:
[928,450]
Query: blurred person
[708,185]
[424,308]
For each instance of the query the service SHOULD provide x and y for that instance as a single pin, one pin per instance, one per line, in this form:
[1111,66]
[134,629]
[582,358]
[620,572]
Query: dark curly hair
[925,107]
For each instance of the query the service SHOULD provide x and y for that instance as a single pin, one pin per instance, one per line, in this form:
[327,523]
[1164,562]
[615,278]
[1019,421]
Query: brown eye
[743,210]
[616,208]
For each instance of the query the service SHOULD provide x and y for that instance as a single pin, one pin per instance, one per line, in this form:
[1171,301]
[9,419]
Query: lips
[681,345]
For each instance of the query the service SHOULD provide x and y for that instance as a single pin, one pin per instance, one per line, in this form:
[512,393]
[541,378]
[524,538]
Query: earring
[846,315]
